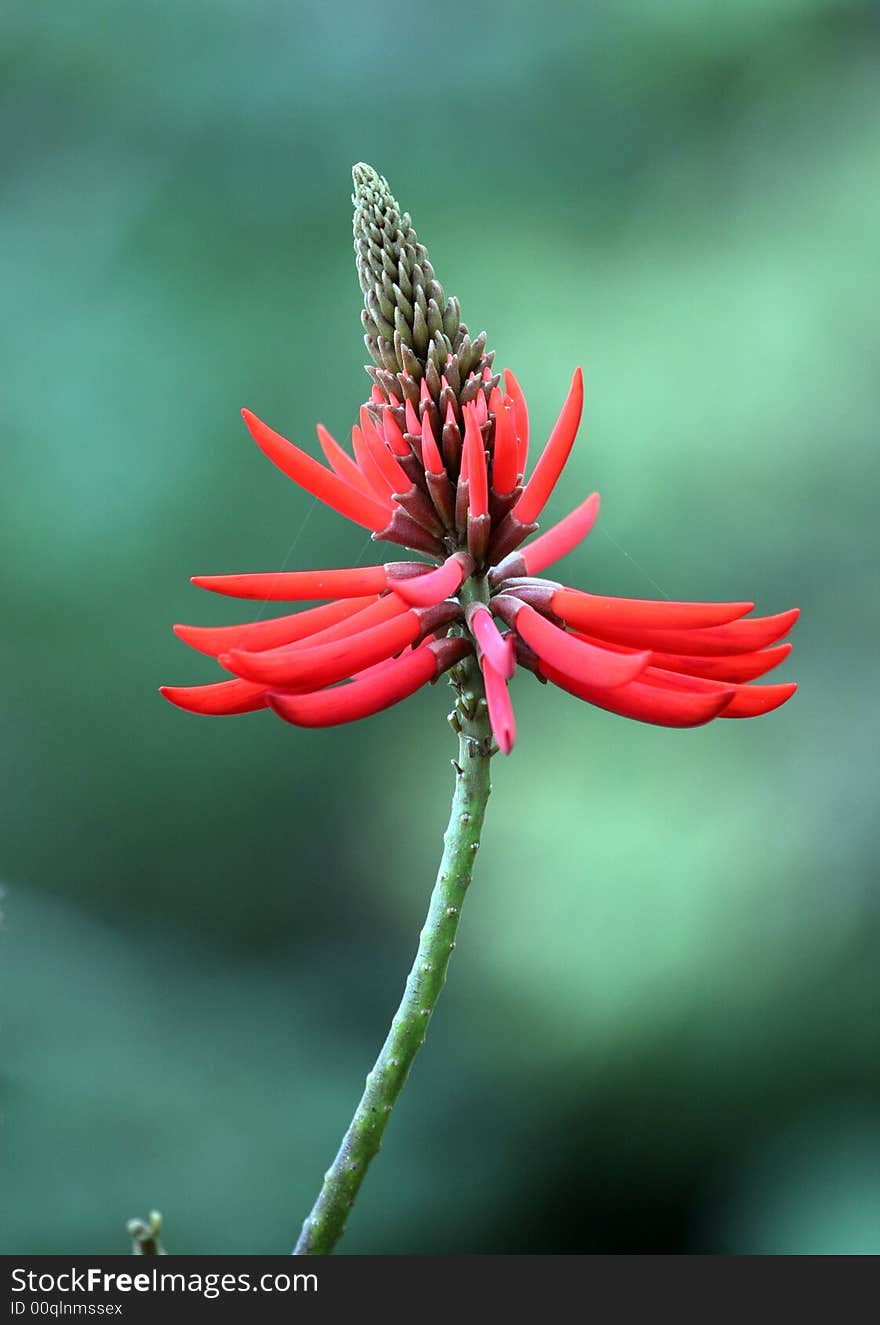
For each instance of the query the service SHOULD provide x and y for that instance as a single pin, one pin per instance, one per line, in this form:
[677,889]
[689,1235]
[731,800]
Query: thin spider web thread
[368,540]
[295,544]
[613,541]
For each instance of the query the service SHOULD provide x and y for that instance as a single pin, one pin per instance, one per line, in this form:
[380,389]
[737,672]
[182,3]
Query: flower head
[439,465]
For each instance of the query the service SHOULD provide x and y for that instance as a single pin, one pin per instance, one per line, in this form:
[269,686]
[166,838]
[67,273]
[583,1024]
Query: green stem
[325,1224]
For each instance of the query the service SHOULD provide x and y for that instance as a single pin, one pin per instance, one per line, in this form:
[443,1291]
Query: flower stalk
[325,1223]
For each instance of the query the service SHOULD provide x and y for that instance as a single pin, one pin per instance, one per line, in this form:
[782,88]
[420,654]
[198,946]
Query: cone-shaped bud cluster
[413,332]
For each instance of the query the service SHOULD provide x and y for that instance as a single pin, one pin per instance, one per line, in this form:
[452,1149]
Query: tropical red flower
[439,466]
[388,629]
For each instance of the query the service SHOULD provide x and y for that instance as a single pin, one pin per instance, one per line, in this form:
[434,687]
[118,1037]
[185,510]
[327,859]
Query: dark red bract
[463,502]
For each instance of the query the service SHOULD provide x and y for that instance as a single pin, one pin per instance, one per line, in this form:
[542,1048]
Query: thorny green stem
[326,1222]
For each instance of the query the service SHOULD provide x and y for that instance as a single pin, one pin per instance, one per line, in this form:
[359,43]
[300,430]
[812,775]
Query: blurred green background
[661,1027]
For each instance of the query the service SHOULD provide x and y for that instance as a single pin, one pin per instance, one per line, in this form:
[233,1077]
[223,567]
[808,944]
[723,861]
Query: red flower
[450,484]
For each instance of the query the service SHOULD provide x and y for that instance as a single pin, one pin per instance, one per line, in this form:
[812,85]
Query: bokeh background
[661,1027]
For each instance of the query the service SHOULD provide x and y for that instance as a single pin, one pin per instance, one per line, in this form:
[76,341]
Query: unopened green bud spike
[411,329]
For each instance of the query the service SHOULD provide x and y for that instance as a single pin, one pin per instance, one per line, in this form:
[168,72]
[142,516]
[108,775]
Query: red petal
[592,612]
[270,633]
[291,586]
[501,717]
[559,540]
[646,703]
[474,464]
[496,647]
[575,657]
[737,637]
[379,485]
[732,667]
[505,470]
[451,439]
[726,669]
[399,678]
[521,413]
[341,462]
[553,457]
[393,435]
[425,590]
[392,473]
[753,701]
[308,666]
[373,614]
[430,453]
[746,701]
[413,426]
[221,699]
[317,480]
[375,668]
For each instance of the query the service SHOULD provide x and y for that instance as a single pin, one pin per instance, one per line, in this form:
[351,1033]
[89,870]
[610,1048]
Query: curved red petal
[430,452]
[575,657]
[505,470]
[474,464]
[592,612]
[220,699]
[309,666]
[739,667]
[270,633]
[413,426]
[496,647]
[398,679]
[392,473]
[747,701]
[317,480]
[341,462]
[379,485]
[645,703]
[374,613]
[728,669]
[552,459]
[737,637]
[500,708]
[755,701]
[521,414]
[393,434]
[425,590]
[291,586]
